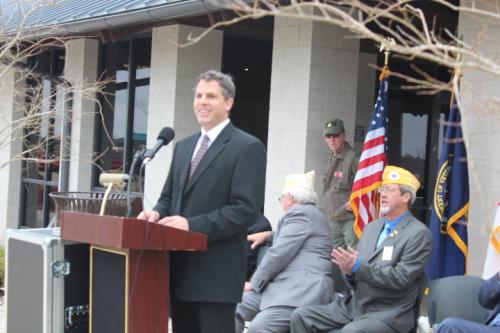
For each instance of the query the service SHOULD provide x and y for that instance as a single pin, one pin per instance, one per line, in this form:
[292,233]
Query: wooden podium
[129,269]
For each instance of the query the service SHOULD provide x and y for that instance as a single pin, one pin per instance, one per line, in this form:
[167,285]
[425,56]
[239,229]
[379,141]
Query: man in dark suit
[489,297]
[215,186]
[384,271]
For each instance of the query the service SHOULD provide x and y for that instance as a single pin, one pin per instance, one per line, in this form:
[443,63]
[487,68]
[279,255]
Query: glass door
[415,139]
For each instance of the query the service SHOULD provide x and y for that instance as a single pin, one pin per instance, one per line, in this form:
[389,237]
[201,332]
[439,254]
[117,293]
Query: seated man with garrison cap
[384,272]
[296,270]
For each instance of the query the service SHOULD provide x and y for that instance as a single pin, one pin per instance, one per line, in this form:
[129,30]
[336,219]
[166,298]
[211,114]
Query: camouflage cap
[335,126]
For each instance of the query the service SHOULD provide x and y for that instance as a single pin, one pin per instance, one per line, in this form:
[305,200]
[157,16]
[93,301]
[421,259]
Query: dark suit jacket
[489,297]
[221,200]
[386,289]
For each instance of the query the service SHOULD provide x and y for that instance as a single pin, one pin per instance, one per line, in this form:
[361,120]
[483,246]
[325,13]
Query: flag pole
[457,75]
[386,46]
[364,196]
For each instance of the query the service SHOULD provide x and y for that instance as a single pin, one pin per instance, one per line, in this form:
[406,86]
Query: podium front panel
[108,291]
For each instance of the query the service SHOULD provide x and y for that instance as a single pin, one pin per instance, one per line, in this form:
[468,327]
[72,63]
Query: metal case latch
[60,268]
[76,316]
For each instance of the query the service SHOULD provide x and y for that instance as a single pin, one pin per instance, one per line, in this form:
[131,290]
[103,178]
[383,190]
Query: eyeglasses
[386,189]
[281,197]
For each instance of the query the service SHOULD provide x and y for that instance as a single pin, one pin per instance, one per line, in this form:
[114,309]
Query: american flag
[364,196]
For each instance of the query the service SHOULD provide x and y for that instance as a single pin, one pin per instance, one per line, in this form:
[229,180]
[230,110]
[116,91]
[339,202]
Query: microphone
[166,135]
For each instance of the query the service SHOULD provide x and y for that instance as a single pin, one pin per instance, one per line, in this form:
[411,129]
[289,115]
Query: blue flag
[448,222]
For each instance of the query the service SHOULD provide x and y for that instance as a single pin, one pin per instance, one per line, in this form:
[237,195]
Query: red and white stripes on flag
[364,196]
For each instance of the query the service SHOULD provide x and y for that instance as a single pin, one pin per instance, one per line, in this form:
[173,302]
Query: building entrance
[248,60]
[415,139]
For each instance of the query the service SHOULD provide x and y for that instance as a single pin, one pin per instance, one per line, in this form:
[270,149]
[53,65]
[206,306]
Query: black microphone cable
[138,155]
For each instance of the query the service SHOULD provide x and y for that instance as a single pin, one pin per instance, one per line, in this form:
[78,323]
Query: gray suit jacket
[387,289]
[296,269]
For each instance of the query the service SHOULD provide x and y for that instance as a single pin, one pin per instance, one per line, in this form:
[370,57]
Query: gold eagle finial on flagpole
[387,45]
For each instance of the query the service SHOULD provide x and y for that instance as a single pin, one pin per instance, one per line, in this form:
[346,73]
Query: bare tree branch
[36,118]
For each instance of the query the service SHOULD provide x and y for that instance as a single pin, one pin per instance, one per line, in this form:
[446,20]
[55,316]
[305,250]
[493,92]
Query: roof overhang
[153,15]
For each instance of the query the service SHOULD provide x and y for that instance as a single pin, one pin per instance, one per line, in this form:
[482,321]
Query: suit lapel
[215,149]
[184,165]
[372,239]
[278,228]
[393,236]
[280,224]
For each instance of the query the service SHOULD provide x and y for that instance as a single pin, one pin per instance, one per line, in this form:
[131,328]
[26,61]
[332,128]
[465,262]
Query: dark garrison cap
[335,126]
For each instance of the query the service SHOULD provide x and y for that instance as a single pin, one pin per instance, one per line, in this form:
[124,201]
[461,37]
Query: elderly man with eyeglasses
[296,270]
[384,271]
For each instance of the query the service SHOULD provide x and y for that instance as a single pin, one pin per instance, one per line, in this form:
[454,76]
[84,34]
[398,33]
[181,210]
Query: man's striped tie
[199,155]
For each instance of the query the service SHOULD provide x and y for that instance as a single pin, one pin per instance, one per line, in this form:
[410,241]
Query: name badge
[387,253]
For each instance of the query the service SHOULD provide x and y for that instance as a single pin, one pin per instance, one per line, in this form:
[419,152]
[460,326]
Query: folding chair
[455,296]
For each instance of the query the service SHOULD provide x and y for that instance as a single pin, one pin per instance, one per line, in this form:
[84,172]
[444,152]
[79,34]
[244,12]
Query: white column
[11,98]
[481,127]
[80,69]
[173,73]
[314,78]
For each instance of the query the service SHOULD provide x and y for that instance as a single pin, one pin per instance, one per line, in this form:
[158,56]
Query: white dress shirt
[212,135]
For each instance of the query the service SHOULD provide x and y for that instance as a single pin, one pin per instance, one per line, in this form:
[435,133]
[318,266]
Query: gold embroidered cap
[397,175]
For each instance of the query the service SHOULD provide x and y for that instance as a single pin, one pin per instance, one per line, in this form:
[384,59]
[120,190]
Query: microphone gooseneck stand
[137,156]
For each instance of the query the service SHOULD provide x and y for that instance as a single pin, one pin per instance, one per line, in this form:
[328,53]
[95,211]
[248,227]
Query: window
[124,114]
[42,134]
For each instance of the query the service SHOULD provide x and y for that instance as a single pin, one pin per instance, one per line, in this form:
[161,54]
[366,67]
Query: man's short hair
[225,81]
[407,189]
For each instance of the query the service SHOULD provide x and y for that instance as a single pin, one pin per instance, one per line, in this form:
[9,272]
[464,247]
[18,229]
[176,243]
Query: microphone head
[166,134]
